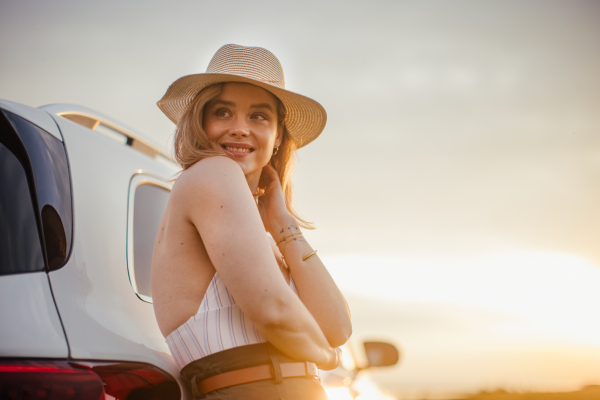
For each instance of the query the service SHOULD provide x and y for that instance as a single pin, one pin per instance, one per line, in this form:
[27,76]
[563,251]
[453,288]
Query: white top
[218,325]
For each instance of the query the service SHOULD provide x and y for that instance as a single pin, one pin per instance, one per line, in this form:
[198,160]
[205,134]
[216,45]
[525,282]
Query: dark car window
[44,164]
[149,206]
[20,248]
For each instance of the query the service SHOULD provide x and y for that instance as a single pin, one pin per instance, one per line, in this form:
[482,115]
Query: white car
[80,202]
[81,198]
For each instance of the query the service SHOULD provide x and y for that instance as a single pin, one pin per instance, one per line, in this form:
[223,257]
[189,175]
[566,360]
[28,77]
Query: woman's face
[242,120]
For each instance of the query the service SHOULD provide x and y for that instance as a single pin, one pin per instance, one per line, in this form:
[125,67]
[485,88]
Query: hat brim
[305,119]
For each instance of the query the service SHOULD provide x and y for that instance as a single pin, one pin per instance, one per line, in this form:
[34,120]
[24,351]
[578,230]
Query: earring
[275,150]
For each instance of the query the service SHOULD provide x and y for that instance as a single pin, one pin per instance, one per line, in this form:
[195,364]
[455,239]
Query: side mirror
[380,354]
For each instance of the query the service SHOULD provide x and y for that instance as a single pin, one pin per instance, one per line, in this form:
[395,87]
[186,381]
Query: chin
[251,164]
[249,169]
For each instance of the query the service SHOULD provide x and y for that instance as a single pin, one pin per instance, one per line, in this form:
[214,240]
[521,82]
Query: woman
[234,326]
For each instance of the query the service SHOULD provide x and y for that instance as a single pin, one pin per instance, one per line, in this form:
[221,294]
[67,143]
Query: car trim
[92,120]
[139,178]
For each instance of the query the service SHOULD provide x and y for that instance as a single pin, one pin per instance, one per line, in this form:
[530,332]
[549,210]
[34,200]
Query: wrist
[283,226]
[287,239]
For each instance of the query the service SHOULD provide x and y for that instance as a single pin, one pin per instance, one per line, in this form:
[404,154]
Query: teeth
[237,150]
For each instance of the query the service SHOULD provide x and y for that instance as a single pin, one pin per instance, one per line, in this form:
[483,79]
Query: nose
[239,128]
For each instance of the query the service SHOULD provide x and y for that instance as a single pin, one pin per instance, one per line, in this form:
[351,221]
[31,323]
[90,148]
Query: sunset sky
[456,187]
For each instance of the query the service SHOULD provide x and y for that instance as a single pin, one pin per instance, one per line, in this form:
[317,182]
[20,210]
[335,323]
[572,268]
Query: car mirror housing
[381,354]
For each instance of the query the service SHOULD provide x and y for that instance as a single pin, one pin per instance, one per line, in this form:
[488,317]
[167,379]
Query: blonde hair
[192,145]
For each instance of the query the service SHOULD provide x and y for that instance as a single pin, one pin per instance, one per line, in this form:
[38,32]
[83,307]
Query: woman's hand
[271,205]
[317,290]
[333,359]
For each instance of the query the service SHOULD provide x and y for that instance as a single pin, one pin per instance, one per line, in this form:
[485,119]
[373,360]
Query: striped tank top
[218,325]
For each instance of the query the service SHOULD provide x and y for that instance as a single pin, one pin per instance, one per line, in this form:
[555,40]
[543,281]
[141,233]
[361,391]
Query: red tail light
[62,380]
[33,380]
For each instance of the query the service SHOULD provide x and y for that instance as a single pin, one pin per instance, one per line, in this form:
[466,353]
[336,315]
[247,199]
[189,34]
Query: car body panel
[103,317]
[34,115]
[30,324]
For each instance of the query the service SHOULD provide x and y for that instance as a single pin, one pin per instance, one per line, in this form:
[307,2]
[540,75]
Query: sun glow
[368,390]
[520,321]
[543,296]
[339,393]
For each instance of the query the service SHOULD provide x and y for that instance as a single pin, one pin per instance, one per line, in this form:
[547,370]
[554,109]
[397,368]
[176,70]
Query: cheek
[266,146]
[268,137]
[211,128]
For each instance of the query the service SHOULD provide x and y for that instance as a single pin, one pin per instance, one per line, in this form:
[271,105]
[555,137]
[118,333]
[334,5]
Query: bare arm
[220,205]
[316,288]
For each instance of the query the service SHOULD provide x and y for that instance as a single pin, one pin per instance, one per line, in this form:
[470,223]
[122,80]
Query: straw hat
[305,118]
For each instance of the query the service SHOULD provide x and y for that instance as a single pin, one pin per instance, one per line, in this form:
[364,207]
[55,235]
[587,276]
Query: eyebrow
[224,103]
[262,105]
[232,104]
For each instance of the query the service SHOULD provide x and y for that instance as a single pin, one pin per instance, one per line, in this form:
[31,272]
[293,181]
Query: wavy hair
[192,145]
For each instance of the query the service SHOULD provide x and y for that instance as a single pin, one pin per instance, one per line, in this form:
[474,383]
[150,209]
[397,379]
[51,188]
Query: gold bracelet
[290,239]
[309,256]
[283,263]
[287,237]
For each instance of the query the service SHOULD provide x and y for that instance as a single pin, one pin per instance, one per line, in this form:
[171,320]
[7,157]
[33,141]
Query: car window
[150,197]
[36,197]
[20,247]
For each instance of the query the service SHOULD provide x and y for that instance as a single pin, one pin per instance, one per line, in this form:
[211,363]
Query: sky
[454,189]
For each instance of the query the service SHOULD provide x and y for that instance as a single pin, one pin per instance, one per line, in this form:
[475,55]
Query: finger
[264,180]
[272,172]
[338,352]
[271,177]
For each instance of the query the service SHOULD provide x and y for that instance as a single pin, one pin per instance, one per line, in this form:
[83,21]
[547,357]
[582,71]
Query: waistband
[233,359]
[248,356]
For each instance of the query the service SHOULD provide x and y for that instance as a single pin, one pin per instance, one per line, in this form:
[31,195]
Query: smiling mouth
[237,149]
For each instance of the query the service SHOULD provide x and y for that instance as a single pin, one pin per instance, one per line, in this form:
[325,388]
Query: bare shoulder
[213,174]
[210,186]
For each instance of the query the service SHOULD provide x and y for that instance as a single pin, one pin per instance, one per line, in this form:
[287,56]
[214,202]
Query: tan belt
[253,374]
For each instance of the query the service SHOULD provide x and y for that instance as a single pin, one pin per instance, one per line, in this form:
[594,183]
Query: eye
[222,112]
[259,116]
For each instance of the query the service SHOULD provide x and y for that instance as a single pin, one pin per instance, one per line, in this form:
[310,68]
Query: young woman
[245,315]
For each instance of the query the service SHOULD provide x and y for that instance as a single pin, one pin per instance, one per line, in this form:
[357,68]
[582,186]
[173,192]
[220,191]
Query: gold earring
[276,149]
